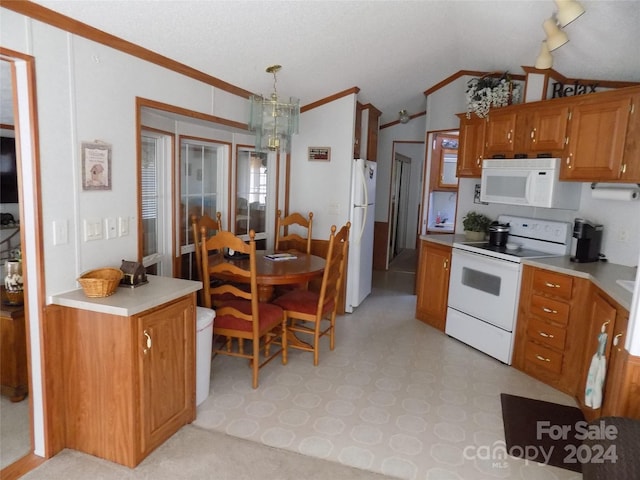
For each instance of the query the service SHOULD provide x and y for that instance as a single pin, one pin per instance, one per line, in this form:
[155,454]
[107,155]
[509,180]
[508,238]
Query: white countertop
[130,301]
[603,274]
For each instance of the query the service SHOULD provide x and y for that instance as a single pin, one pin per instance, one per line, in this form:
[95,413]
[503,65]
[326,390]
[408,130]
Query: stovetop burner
[518,253]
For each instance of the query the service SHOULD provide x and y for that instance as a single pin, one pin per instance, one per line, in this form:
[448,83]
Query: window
[156,207]
[252,194]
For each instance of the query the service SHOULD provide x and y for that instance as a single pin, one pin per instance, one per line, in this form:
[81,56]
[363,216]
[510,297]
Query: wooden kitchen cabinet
[597,137]
[129,382]
[499,133]
[549,330]
[14,380]
[631,157]
[433,284]
[471,146]
[606,315]
[544,130]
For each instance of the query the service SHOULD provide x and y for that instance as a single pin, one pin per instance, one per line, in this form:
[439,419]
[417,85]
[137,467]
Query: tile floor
[395,397]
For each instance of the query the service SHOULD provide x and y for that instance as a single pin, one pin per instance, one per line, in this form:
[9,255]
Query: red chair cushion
[269,316]
[303,301]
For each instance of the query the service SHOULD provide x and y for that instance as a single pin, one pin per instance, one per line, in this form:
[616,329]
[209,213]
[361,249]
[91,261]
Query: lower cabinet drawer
[546,333]
[543,357]
[549,308]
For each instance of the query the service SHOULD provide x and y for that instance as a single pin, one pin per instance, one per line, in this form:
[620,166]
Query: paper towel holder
[595,184]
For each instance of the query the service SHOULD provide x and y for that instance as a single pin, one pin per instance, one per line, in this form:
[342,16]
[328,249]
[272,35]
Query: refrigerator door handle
[364,222]
[366,202]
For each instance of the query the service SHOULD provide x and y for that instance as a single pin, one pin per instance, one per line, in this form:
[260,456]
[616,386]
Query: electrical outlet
[623,235]
[110,226]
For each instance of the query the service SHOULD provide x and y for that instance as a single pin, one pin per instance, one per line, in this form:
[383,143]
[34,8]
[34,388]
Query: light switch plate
[60,232]
[123,226]
[93,229]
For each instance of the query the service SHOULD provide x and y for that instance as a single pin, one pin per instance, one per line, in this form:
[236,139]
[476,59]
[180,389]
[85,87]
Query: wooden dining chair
[211,227]
[314,313]
[241,316]
[288,238]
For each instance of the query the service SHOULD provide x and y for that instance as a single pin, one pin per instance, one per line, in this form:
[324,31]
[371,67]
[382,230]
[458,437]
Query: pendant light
[568,11]
[272,120]
[555,37]
[545,59]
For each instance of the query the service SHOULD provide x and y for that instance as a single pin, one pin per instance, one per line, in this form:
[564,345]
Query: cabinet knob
[147,342]
[545,335]
[509,135]
[446,263]
[543,359]
[533,135]
[548,310]
[552,285]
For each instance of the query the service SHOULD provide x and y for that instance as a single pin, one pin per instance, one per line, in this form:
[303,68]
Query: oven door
[485,287]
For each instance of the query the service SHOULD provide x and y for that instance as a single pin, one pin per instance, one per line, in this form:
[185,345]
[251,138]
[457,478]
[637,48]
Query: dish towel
[596,375]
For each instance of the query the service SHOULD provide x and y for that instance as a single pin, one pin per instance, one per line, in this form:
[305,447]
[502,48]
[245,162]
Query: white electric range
[484,284]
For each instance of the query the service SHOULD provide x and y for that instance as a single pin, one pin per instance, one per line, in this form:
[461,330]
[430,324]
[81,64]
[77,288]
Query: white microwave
[531,182]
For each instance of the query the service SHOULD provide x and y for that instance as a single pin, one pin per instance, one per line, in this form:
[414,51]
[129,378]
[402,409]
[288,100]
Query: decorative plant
[475,222]
[489,92]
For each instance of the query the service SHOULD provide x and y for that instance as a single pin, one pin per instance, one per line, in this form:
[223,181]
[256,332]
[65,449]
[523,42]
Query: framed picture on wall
[96,166]
[320,153]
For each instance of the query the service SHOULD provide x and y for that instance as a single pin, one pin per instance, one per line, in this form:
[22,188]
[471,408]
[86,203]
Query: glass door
[203,188]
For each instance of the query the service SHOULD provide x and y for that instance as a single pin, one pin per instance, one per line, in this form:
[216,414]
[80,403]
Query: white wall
[87,92]
[613,214]
[321,187]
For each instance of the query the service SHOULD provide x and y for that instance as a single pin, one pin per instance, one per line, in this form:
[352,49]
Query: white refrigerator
[362,217]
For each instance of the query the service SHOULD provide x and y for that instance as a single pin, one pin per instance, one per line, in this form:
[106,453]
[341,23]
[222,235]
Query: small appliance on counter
[498,234]
[588,240]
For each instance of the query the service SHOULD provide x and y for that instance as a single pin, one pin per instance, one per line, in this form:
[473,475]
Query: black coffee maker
[589,239]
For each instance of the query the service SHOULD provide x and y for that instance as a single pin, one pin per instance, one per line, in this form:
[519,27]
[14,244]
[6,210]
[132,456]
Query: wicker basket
[100,282]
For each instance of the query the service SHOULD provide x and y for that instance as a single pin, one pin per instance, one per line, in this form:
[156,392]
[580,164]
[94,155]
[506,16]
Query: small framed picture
[96,166]
[320,153]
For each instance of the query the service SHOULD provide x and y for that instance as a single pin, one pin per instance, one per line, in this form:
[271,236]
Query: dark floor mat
[541,431]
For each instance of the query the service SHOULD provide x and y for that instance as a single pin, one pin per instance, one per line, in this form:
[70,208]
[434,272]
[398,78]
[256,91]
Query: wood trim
[147,103]
[21,467]
[6,126]
[396,122]
[370,107]
[55,19]
[561,78]
[462,73]
[380,245]
[329,99]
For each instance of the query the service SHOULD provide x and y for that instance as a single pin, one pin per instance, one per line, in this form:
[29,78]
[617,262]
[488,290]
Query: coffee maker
[589,238]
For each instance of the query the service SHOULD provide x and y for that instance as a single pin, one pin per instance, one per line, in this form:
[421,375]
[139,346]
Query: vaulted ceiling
[392,50]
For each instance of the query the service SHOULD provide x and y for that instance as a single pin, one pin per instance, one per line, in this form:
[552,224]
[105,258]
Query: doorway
[399,204]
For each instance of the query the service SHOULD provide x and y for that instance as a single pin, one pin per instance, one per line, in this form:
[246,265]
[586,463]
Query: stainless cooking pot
[498,234]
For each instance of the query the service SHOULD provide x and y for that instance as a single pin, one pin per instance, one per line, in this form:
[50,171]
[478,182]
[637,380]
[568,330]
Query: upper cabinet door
[471,146]
[597,135]
[547,129]
[500,133]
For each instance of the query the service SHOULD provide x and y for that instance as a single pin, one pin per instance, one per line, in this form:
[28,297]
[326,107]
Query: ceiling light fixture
[555,37]
[403,116]
[568,11]
[272,120]
[545,59]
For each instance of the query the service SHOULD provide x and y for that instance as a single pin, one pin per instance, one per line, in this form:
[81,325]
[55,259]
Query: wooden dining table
[269,273]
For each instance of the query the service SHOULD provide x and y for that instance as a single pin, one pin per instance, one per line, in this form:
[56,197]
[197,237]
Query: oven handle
[478,257]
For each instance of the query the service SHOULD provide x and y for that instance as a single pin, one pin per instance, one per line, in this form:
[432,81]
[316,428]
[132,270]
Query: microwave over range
[531,182]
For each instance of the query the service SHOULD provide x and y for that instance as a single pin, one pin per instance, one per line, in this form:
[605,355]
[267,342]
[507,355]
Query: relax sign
[576,88]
